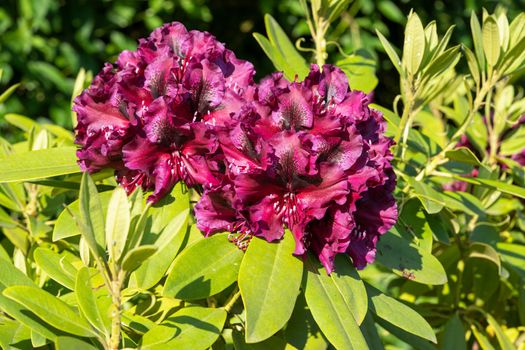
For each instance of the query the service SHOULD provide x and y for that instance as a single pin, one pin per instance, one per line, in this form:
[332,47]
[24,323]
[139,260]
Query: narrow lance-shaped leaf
[414,45]
[87,301]
[91,216]
[117,223]
[38,164]
[478,40]
[390,51]
[50,309]
[491,41]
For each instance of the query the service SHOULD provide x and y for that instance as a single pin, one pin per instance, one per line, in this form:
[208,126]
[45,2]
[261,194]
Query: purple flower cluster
[309,156]
[151,116]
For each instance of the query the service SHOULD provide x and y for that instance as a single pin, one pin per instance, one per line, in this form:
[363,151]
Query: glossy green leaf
[414,45]
[360,71]
[91,220]
[331,307]
[478,40]
[270,51]
[194,328]
[274,343]
[465,202]
[204,269]
[491,40]
[390,51]
[27,318]
[168,244]
[495,184]
[50,309]
[11,276]
[399,315]
[504,342]
[430,198]
[269,280]
[479,250]
[453,336]
[484,343]
[296,64]
[463,155]
[136,257]
[301,330]
[514,254]
[70,343]
[117,223]
[8,92]
[87,301]
[56,266]
[414,341]
[369,330]
[408,260]
[65,225]
[39,164]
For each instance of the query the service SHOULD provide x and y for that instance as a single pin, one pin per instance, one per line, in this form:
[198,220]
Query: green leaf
[479,250]
[135,257]
[194,328]
[274,343]
[295,63]
[27,318]
[269,280]
[390,51]
[168,244]
[50,309]
[369,330]
[69,343]
[301,330]
[472,65]
[399,315]
[5,95]
[65,225]
[204,269]
[413,340]
[408,260]
[514,254]
[463,155]
[91,219]
[453,336]
[87,301]
[117,223]
[504,342]
[484,343]
[491,41]
[11,276]
[360,71]
[477,38]
[447,60]
[465,202]
[414,45]
[270,51]
[513,143]
[431,199]
[331,308]
[55,266]
[38,164]
[495,184]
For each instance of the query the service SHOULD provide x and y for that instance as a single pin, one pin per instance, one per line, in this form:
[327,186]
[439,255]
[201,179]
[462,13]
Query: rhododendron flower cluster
[151,115]
[306,156]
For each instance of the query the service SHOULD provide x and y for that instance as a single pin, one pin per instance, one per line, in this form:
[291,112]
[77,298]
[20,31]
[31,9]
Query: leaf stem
[232,300]
[116,296]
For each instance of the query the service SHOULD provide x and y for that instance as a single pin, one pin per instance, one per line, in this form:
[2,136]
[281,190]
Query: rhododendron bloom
[151,115]
[310,156]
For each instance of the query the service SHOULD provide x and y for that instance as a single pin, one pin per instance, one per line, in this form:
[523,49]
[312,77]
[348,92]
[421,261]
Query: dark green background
[44,43]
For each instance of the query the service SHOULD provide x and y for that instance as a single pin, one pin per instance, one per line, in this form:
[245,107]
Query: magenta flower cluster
[306,156]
